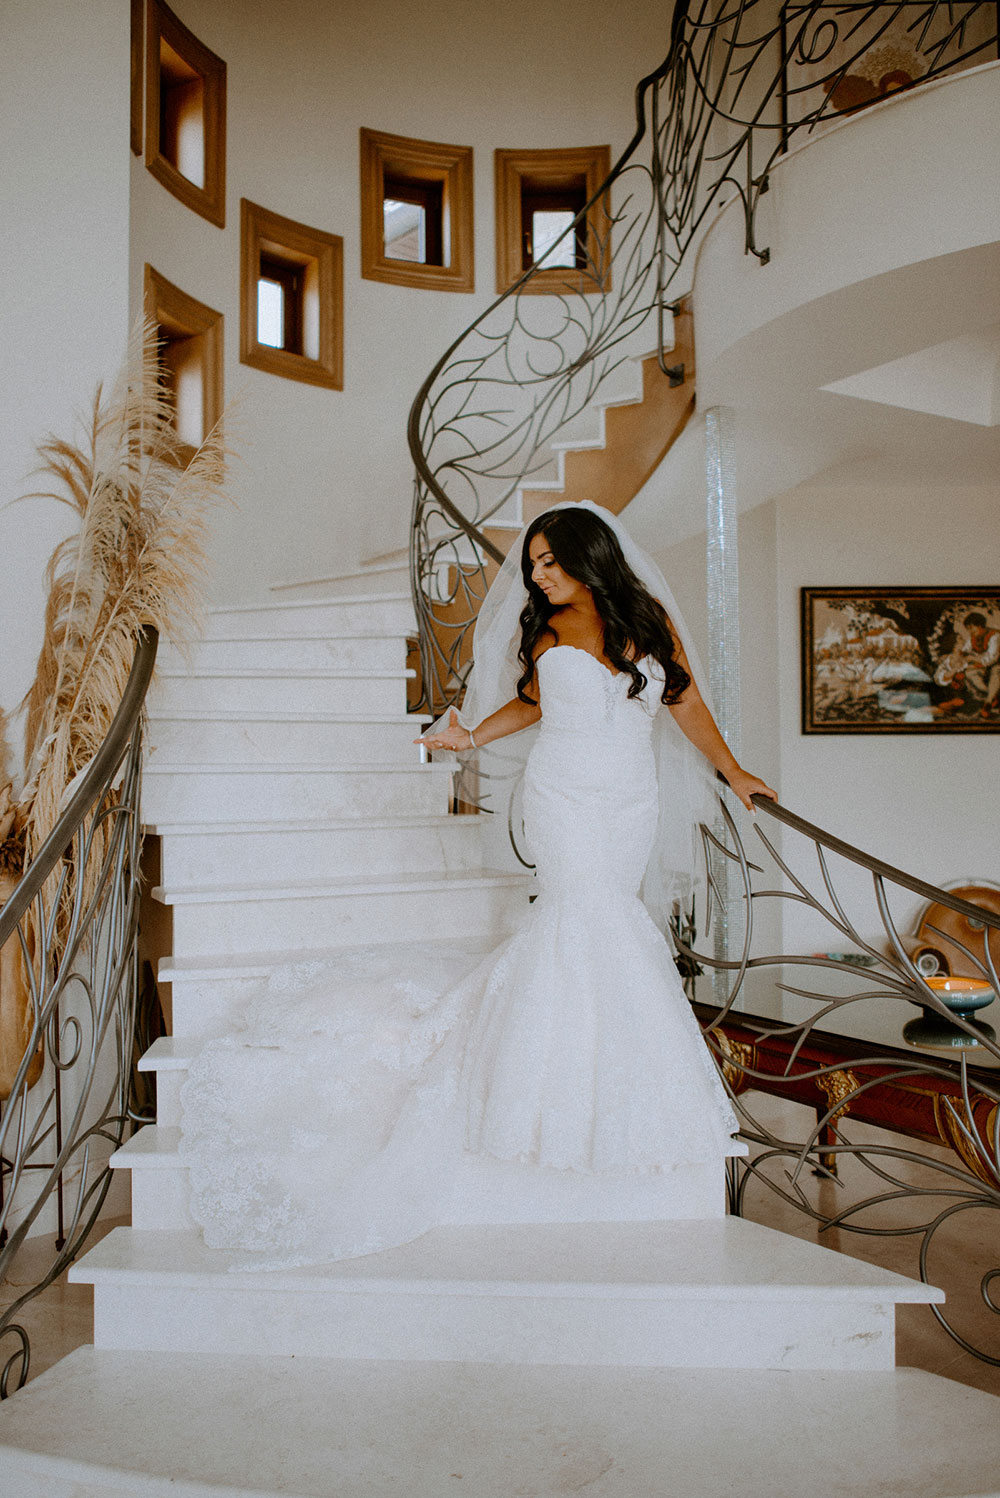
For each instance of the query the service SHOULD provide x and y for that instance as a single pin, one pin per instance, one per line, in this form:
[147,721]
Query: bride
[364,1093]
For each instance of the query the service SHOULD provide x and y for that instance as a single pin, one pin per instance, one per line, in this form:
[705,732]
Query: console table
[880,1076]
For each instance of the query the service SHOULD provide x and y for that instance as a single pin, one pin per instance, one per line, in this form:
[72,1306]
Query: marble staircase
[293,811]
[550,1338]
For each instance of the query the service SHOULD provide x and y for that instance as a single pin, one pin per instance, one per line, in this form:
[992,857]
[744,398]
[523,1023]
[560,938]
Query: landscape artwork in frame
[840,56]
[901,660]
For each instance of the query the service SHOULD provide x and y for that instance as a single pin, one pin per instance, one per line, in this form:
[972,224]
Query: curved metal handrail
[875,865]
[414,434]
[93,783]
[866,1041]
[69,1104]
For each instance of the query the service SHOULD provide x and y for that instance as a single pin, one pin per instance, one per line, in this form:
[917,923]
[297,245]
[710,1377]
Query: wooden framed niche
[136,25]
[291,298]
[538,193]
[185,114]
[190,352]
[416,212]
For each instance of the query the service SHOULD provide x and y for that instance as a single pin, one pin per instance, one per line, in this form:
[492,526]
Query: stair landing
[186,1426]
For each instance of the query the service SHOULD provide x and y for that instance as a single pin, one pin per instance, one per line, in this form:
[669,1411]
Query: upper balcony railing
[740,83]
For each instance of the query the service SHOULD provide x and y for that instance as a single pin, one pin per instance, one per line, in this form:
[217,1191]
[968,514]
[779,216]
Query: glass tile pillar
[723,648]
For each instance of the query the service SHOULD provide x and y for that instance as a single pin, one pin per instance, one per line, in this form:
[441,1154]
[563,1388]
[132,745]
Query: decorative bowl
[961,995]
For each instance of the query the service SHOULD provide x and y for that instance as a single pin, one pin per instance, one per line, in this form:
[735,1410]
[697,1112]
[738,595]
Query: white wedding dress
[339,1119]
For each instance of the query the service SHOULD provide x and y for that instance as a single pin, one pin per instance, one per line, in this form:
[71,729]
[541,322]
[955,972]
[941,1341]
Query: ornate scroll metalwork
[736,1059]
[739,83]
[838,1087]
[58,1132]
[902,1091]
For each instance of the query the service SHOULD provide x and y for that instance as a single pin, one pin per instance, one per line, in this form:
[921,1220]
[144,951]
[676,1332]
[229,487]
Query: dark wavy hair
[634,623]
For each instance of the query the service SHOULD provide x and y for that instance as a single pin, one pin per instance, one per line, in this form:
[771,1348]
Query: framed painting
[841,56]
[900,660]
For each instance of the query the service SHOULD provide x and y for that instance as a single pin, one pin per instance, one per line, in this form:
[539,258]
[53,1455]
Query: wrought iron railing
[740,82]
[860,1039]
[69,1106]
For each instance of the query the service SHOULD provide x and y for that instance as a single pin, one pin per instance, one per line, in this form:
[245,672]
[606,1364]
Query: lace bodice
[579,693]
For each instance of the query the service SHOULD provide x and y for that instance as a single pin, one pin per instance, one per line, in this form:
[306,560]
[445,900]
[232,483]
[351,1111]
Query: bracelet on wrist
[472,742]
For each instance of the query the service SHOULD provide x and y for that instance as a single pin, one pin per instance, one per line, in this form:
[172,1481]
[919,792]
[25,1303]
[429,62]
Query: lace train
[334,1122]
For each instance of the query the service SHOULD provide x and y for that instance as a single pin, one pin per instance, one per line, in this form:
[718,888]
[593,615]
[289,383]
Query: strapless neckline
[591,656]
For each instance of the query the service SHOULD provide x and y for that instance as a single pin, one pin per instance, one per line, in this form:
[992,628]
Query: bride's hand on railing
[453,737]
[745,786]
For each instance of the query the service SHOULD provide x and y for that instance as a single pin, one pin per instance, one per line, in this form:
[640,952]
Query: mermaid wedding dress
[351,1108]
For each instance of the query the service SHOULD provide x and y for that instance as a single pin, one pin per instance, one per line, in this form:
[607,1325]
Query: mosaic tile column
[723,641]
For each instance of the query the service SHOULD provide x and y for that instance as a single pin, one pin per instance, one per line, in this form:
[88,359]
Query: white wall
[64,123]
[925,803]
[325,477]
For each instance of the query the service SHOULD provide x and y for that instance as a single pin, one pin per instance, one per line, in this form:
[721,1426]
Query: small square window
[404,230]
[413,221]
[182,115]
[539,194]
[416,212]
[189,335]
[550,237]
[185,114]
[270,312]
[137,22]
[281,303]
[291,298]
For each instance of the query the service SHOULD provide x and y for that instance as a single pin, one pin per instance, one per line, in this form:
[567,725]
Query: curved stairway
[525,1348]
[293,811]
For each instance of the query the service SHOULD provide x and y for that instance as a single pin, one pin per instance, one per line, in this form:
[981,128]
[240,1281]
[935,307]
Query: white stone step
[169,1058]
[368,613]
[724,1293]
[354,690]
[589,434]
[379,652]
[345,912]
[488,1191]
[254,793]
[219,852]
[209,993]
[389,576]
[186,737]
[550,485]
[180,1425]
[580,445]
[159,1179]
[396,556]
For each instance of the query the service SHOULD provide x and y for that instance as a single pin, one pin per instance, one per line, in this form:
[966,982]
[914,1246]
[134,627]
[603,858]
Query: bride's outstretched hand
[453,736]
[745,786]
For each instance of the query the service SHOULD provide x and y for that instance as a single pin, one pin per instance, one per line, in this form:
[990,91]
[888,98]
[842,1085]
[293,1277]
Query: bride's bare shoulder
[545,641]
